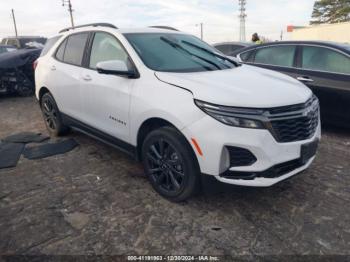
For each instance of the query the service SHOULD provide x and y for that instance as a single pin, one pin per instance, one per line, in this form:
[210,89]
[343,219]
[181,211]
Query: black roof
[342,47]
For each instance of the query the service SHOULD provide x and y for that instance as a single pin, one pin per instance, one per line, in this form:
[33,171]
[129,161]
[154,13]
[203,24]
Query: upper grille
[295,123]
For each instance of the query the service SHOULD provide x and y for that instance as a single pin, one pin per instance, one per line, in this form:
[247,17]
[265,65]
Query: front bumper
[214,137]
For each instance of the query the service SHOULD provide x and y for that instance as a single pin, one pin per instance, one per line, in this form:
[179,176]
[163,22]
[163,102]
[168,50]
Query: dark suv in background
[231,48]
[24,41]
[322,66]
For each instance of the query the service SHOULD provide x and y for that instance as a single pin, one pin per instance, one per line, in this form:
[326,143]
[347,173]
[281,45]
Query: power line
[242,16]
[70,10]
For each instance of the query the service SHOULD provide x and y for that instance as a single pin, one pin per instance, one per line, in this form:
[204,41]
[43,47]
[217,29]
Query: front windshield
[173,52]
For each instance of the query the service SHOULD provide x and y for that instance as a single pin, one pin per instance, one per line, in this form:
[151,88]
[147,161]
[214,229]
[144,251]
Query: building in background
[339,32]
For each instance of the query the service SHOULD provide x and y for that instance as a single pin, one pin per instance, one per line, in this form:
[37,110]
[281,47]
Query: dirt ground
[95,200]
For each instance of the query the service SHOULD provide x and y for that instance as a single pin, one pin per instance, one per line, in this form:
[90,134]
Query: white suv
[178,105]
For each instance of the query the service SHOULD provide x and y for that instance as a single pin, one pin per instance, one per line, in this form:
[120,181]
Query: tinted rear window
[324,59]
[229,49]
[49,44]
[74,51]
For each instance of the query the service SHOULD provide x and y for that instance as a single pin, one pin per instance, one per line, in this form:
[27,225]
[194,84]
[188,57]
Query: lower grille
[273,172]
[281,169]
[240,156]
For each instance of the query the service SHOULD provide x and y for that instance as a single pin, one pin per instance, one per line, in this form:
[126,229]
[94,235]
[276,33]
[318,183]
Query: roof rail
[164,27]
[93,24]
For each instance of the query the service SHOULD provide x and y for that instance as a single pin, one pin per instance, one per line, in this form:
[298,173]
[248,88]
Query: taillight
[35,64]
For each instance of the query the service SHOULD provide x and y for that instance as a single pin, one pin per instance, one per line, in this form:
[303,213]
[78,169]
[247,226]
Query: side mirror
[115,67]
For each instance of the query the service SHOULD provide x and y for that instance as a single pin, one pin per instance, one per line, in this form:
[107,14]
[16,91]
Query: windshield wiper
[211,52]
[176,45]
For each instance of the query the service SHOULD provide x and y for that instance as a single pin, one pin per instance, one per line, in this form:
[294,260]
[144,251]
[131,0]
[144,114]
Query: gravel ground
[95,200]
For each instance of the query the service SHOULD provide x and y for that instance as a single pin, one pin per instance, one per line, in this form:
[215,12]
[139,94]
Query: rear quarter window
[247,56]
[60,51]
[49,44]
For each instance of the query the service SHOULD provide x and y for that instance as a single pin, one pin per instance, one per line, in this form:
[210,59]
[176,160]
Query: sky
[219,17]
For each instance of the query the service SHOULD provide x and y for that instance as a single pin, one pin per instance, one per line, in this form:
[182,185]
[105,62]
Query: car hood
[244,86]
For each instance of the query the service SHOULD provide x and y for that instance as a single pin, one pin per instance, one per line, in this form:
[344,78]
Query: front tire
[52,116]
[170,164]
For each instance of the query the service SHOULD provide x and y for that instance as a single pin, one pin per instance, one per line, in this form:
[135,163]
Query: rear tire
[170,164]
[52,116]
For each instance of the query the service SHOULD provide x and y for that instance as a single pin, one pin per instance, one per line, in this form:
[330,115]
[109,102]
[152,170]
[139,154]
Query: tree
[331,11]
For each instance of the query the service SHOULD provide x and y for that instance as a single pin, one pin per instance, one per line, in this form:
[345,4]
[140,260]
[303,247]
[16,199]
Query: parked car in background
[173,102]
[322,66]
[25,41]
[7,48]
[231,48]
[16,71]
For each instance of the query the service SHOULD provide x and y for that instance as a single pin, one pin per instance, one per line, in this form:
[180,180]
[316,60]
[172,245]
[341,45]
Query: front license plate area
[308,151]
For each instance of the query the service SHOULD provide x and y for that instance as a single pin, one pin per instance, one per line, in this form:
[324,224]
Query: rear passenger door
[65,75]
[327,72]
[281,58]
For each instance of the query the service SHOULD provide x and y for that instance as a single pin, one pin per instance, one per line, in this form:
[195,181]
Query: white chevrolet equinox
[178,105]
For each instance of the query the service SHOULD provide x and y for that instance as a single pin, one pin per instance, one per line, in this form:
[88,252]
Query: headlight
[233,116]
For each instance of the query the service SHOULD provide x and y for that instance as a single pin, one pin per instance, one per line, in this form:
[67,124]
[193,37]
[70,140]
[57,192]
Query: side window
[106,47]
[12,42]
[325,59]
[276,55]
[60,51]
[50,43]
[247,56]
[75,48]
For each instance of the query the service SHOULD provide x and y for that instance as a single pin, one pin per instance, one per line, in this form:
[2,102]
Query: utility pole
[242,16]
[70,9]
[14,21]
[201,28]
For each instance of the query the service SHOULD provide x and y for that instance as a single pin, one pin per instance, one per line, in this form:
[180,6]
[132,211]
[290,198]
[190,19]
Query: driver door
[107,97]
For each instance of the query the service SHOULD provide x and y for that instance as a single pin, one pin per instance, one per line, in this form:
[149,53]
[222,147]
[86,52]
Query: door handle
[87,78]
[305,79]
[53,68]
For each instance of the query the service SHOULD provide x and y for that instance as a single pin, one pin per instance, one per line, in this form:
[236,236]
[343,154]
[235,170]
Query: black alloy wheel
[52,115]
[166,166]
[170,164]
